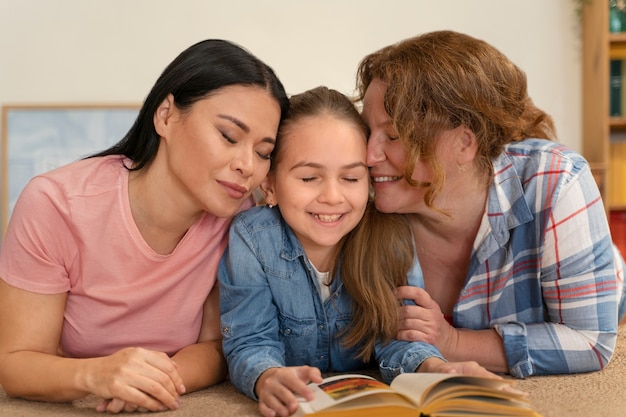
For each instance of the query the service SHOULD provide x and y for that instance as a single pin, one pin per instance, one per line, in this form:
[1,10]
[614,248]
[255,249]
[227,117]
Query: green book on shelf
[615,88]
[623,89]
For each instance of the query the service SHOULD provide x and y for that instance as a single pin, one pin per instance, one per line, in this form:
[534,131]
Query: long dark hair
[197,72]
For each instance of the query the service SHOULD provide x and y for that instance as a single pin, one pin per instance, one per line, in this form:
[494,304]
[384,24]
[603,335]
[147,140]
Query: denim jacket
[272,314]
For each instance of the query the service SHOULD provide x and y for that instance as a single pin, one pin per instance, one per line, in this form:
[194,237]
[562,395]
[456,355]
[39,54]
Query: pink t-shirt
[72,231]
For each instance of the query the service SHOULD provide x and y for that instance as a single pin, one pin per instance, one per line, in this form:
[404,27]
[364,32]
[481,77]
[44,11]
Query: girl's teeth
[328,217]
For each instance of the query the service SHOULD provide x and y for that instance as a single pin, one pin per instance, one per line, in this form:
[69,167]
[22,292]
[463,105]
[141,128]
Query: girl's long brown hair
[376,258]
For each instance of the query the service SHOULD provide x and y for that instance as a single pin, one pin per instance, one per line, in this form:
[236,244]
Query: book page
[417,386]
[343,388]
[444,394]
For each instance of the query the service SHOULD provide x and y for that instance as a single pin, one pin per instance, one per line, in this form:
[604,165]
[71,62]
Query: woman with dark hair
[511,241]
[109,264]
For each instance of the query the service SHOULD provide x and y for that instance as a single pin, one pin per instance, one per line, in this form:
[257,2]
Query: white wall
[112,51]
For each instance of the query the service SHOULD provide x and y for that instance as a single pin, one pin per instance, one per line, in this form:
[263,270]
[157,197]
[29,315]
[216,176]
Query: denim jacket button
[287,331]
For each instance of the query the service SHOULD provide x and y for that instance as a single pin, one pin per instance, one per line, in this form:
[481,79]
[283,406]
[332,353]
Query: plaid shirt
[544,272]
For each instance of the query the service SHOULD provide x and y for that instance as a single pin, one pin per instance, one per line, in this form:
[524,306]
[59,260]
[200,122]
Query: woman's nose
[244,162]
[375,152]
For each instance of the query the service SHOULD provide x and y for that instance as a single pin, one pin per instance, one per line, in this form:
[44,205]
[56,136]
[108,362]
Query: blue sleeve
[398,356]
[248,317]
[579,288]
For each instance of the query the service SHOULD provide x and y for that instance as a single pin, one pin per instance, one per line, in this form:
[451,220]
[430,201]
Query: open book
[415,394]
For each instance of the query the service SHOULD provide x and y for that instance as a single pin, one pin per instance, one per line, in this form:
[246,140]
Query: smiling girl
[286,315]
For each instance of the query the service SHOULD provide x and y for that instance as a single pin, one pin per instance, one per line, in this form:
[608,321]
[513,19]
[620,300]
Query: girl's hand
[462,368]
[277,389]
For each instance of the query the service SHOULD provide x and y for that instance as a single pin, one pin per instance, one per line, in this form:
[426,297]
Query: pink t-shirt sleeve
[39,245]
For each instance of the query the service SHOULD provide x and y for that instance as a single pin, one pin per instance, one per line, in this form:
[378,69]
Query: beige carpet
[601,394]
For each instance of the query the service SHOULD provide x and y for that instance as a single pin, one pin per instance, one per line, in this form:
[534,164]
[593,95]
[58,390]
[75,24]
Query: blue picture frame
[38,138]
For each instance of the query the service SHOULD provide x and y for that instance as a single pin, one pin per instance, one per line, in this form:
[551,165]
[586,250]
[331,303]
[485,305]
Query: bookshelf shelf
[617,45]
[617,37]
[617,123]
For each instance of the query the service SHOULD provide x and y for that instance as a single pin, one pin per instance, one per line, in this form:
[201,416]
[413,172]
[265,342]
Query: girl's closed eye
[356,175]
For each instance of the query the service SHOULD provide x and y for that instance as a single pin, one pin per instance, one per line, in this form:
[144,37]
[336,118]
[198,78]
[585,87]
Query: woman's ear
[467,145]
[267,188]
[162,115]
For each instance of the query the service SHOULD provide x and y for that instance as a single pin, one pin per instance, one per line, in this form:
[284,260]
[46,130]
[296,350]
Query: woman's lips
[233,189]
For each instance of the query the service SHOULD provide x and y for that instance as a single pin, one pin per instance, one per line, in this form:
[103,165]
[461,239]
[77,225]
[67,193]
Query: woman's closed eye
[265,155]
[228,138]
[265,150]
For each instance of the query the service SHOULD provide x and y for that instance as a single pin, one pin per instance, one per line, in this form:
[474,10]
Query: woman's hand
[115,406]
[277,389]
[424,322]
[134,379]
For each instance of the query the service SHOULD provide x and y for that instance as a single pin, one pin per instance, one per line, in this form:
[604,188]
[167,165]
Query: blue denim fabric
[272,314]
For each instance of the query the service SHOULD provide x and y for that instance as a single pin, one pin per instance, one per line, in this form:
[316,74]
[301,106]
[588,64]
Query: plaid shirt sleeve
[544,272]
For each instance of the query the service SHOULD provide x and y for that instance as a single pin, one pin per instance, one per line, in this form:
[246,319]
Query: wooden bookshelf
[617,123]
[616,37]
[607,157]
[617,167]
